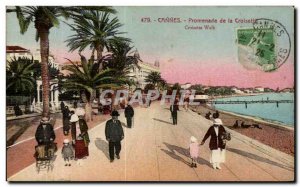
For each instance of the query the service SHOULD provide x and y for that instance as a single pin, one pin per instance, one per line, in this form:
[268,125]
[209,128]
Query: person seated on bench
[244,126]
[236,124]
[207,115]
[256,126]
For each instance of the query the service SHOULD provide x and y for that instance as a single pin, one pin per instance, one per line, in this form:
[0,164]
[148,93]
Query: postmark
[265,46]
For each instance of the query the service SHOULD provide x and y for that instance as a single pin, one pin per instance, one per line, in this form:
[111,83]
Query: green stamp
[257,48]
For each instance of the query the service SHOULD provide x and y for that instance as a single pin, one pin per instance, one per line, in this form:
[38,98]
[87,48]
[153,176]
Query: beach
[274,135]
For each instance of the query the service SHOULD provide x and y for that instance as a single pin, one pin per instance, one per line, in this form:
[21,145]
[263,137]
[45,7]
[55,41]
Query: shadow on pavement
[258,158]
[184,152]
[102,145]
[174,156]
[162,121]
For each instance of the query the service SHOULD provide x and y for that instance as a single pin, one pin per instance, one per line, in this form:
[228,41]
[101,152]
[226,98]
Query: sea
[283,114]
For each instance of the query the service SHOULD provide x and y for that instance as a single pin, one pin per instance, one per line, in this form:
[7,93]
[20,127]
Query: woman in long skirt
[216,143]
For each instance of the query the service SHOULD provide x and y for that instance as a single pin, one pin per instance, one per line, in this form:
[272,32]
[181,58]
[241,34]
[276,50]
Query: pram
[44,155]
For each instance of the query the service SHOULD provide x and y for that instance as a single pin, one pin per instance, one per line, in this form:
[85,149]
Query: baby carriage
[44,155]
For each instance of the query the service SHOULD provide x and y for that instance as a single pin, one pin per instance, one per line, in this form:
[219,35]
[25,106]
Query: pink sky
[213,72]
[221,73]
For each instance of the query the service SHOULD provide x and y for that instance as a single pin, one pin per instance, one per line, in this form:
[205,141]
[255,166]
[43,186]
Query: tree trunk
[88,111]
[99,50]
[88,106]
[44,47]
[113,98]
[93,53]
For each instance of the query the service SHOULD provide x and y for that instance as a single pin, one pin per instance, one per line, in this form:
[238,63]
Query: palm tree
[20,75]
[121,58]
[198,88]
[44,18]
[87,78]
[153,78]
[95,30]
[163,85]
[148,87]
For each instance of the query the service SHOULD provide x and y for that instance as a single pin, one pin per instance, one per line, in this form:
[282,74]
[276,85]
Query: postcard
[150,93]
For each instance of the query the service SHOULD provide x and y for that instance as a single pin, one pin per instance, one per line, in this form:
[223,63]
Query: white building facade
[139,74]
[51,59]
[17,52]
[20,52]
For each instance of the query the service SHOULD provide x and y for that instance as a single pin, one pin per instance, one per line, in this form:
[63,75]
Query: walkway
[155,150]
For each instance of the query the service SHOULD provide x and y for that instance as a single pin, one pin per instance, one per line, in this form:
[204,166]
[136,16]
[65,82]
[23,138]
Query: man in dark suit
[45,136]
[174,108]
[129,113]
[44,133]
[114,134]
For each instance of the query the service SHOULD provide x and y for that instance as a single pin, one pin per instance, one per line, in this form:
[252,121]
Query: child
[194,151]
[67,152]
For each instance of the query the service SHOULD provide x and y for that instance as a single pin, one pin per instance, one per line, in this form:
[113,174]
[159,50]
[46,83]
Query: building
[248,90]
[259,89]
[237,90]
[200,98]
[291,90]
[186,86]
[139,74]
[20,52]
[51,59]
[17,52]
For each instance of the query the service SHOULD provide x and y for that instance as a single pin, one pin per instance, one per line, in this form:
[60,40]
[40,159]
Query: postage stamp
[266,46]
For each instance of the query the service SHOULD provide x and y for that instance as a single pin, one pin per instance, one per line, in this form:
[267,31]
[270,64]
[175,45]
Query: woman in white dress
[216,143]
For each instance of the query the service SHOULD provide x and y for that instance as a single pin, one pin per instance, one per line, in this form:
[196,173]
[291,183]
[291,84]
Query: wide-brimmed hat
[217,121]
[74,118]
[66,141]
[115,113]
[80,112]
[45,120]
[193,139]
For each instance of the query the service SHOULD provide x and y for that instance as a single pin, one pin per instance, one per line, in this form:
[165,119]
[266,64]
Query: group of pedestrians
[217,144]
[74,121]
[217,134]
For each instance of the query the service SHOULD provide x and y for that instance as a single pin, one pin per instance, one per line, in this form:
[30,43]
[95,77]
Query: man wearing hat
[174,108]
[114,134]
[129,113]
[216,143]
[44,134]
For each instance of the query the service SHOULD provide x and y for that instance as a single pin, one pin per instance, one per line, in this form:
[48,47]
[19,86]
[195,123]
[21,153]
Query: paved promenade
[155,150]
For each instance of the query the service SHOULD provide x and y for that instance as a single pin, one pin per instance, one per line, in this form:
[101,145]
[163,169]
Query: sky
[208,57]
